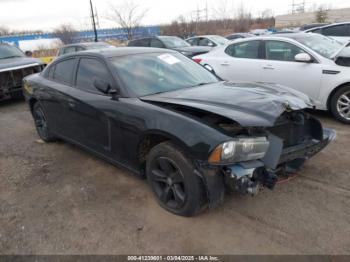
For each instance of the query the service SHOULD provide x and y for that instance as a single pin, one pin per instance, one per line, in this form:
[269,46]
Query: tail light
[197,60]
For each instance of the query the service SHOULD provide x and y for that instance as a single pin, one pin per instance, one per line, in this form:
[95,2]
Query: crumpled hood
[9,63]
[249,104]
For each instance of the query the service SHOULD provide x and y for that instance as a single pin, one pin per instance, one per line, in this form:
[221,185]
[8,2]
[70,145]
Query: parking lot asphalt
[58,199]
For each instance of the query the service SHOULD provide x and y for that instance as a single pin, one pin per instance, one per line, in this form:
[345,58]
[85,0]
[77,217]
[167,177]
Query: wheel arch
[329,99]
[32,102]
[151,138]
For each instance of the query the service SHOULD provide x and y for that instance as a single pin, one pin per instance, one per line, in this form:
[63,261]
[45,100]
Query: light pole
[93,21]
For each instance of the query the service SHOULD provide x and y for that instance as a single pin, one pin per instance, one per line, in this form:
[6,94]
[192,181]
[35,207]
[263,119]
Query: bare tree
[321,14]
[66,33]
[223,12]
[266,14]
[181,27]
[243,19]
[128,16]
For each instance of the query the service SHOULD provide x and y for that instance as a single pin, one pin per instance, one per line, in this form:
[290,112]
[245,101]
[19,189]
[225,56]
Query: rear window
[141,42]
[249,49]
[63,72]
[338,30]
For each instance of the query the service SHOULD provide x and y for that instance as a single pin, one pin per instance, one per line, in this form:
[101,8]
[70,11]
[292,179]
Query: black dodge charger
[164,117]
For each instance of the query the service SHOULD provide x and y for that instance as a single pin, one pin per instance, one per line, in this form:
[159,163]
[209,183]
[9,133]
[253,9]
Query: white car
[208,40]
[338,31]
[311,63]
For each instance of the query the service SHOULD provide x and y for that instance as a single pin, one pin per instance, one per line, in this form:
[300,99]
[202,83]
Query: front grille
[295,128]
[13,79]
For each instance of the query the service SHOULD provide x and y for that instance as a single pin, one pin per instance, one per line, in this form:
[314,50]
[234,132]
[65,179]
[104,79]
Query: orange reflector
[215,156]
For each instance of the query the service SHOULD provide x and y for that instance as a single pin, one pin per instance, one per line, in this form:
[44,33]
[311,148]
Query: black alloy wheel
[41,124]
[168,182]
[170,174]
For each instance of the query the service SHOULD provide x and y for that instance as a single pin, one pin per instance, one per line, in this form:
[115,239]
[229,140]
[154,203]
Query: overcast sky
[48,14]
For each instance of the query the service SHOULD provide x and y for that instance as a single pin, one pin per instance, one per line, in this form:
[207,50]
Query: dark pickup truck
[14,66]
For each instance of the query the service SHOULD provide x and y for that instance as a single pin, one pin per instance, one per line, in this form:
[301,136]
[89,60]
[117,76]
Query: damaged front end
[11,79]
[295,137]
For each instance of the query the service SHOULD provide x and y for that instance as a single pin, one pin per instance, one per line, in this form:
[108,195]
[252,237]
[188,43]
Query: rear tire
[340,104]
[41,124]
[171,176]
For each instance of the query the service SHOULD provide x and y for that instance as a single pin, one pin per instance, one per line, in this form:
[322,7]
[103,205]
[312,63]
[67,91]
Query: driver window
[249,49]
[205,42]
[68,50]
[193,41]
[281,51]
[89,69]
[156,43]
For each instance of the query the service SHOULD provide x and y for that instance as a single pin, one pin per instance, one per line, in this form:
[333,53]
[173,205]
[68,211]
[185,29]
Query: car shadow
[11,102]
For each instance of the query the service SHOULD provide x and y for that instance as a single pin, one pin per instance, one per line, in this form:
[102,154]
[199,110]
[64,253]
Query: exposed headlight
[242,149]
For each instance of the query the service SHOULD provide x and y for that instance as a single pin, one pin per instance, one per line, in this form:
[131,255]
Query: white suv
[311,63]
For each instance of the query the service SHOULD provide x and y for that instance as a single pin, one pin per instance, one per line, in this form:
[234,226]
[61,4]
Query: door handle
[269,67]
[225,64]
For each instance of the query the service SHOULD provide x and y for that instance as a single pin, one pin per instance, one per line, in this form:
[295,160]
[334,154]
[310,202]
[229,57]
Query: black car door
[54,97]
[90,125]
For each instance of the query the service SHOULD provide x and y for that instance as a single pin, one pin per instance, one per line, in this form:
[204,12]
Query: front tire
[41,124]
[340,104]
[171,176]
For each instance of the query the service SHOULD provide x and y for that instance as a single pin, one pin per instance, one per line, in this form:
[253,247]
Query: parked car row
[310,63]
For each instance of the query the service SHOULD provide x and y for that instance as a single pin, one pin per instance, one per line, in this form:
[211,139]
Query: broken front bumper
[308,149]
[11,80]
[246,177]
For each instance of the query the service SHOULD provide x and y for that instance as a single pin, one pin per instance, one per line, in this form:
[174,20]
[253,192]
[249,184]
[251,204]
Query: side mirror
[29,53]
[211,44]
[104,87]
[303,57]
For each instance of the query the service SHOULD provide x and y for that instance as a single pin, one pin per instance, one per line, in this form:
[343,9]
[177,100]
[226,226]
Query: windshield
[151,73]
[7,51]
[220,40]
[321,44]
[174,42]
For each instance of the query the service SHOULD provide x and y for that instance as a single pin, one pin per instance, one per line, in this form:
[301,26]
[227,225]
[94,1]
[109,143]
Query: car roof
[166,36]
[240,33]
[328,25]
[204,36]
[86,44]
[340,23]
[119,51]
[289,36]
